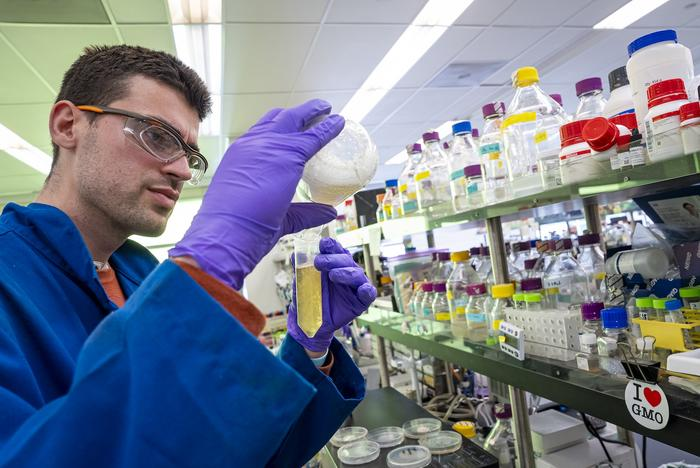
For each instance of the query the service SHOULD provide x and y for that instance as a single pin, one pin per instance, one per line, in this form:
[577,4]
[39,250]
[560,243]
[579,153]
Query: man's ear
[62,124]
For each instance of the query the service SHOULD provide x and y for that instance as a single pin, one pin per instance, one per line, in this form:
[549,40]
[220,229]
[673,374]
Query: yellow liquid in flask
[309,302]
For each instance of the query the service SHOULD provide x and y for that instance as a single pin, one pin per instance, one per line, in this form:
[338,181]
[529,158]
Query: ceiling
[283,52]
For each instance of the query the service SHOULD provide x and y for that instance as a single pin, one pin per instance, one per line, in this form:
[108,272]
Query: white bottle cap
[588,339]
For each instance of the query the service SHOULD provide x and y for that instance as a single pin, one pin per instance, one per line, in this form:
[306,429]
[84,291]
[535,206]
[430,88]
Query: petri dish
[348,434]
[417,428]
[389,436]
[442,442]
[409,456]
[358,453]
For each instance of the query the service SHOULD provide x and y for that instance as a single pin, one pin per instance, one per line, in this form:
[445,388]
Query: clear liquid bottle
[591,101]
[380,207]
[501,440]
[674,314]
[533,302]
[407,183]
[483,268]
[502,299]
[493,154]
[416,300]
[432,175]
[633,310]
[565,282]
[615,332]
[442,267]
[427,303]
[476,315]
[590,313]
[350,215]
[441,307]
[462,154]
[390,200]
[592,261]
[531,135]
[659,309]
[462,275]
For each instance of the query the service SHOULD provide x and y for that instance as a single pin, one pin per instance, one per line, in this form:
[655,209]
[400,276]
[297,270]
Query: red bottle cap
[690,111]
[600,134]
[570,133]
[666,91]
[628,120]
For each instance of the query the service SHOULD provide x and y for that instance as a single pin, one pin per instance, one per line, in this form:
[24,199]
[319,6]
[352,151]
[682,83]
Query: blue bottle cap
[652,38]
[614,317]
[674,304]
[392,183]
[465,126]
[642,293]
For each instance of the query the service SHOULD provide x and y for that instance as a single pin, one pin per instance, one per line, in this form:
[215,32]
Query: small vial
[659,310]
[533,302]
[589,343]
[690,296]
[308,292]
[614,331]
[674,314]
[519,301]
[590,312]
[646,309]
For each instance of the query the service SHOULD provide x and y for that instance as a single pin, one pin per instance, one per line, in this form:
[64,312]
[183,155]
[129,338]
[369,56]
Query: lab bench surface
[388,407]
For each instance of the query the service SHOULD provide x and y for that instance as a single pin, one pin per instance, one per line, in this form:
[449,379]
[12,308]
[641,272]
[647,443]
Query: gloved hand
[247,207]
[346,294]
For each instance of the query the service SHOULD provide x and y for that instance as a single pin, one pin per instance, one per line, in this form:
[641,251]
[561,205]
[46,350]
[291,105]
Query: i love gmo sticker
[647,404]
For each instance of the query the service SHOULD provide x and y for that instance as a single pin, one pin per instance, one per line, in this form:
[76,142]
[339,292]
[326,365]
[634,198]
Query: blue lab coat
[170,379]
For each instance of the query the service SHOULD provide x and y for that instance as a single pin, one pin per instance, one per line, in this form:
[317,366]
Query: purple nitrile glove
[346,294]
[247,207]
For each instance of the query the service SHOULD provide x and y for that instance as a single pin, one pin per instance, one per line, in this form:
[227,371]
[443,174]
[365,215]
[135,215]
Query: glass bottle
[503,299]
[462,275]
[592,261]
[590,312]
[416,301]
[531,135]
[441,307]
[427,303]
[591,101]
[407,183]
[462,154]
[390,199]
[645,307]
[493,155]
[659,309]
[633,311]
[484,268]
[615,331]
[380,207]
[501,440]
[476,317]
[432,174]
[565,282]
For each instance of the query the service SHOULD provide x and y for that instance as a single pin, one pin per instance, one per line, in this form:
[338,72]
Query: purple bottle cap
[591,310]
[473,170]
[446,145]
[589,239]
[587,85]
[557,98]
[476,289]
[531,284]
[493,108]
[475,133]
[475,251]
[435,256]
[427,287]
[485,252]
[503,411]
[443,256]
[523,246]
[560,245]
[431,136]
[416,148]
[530,263]
[439,287]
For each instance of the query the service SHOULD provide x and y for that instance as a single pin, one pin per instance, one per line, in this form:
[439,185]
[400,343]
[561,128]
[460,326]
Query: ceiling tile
[540,13]
[483,13]
[670,15]
[51,11]
[439,55]
[594,12]
[426,103]
[18,84]
[158,37]
[274,11]
[65,44]
[264,57]
[374,11]
[139,11]
[240,111]
[500,44]
[397,135]
[363,47]
[389,103]
[29,121]
[338,99]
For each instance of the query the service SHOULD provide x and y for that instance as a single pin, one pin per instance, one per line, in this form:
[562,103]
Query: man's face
[134,190]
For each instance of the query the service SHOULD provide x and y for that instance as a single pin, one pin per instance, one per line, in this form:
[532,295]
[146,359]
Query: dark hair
[99,77]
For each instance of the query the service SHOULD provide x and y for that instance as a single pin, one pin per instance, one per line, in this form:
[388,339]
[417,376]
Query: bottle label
[442,316]
[664,135]
[449,295]
[636,156]
[574,156]
[410,206]
[387,211]
[540,136]
[476,317]
[422,175]
[491,148]
[457,174]
[459,310]
[472,188]
[403,188]
[427,311]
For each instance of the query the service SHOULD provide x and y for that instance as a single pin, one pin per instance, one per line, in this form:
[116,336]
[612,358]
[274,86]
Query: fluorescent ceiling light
[22,150]
[427,27]
[629,13]
[195,11]
[402,156]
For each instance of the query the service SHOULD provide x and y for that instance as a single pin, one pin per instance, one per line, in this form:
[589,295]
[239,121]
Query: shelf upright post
[381,349]
[592,216]
[521,418]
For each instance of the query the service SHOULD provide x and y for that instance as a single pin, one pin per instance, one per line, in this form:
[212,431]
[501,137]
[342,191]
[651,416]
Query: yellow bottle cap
[417,285]
[501,291]
[660,303]
[533,297]
[461,256]
[525,76]
[466,428]
[385,280]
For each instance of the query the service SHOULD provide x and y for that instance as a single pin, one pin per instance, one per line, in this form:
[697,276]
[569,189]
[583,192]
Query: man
[108,359]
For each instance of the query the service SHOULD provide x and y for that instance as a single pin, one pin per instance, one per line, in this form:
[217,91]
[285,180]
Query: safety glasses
[157,138]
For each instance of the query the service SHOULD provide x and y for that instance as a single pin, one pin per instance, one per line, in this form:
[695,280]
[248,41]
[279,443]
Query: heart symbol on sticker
[652,396]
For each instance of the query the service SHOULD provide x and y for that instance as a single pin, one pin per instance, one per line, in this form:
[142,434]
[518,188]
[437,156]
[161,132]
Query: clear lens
[161,142]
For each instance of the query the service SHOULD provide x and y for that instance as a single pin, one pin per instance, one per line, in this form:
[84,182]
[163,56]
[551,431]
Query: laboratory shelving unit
[600,393]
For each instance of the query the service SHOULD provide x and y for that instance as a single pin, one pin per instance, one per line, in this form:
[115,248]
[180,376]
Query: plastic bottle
[591,101]
[520,251]
[350,215]
[663,121]
[533,302]
[620,101]
[650,262]
[428,297]
[565,282]
[690,296]
[441,307]
[501,440]
[625,158]
[502,295]
[614,331]
[475,186]
[464,153]
[476,317]
[531,135]
[659,309]
[432,175]
[484,268]
[308,294]
[605,138]
[575,153]
[690,127]
[645,307]
[656,57]
[380,207]
[390,200]
[475,136]
[492,153]
[592,261]
[407,182]
[462,275]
